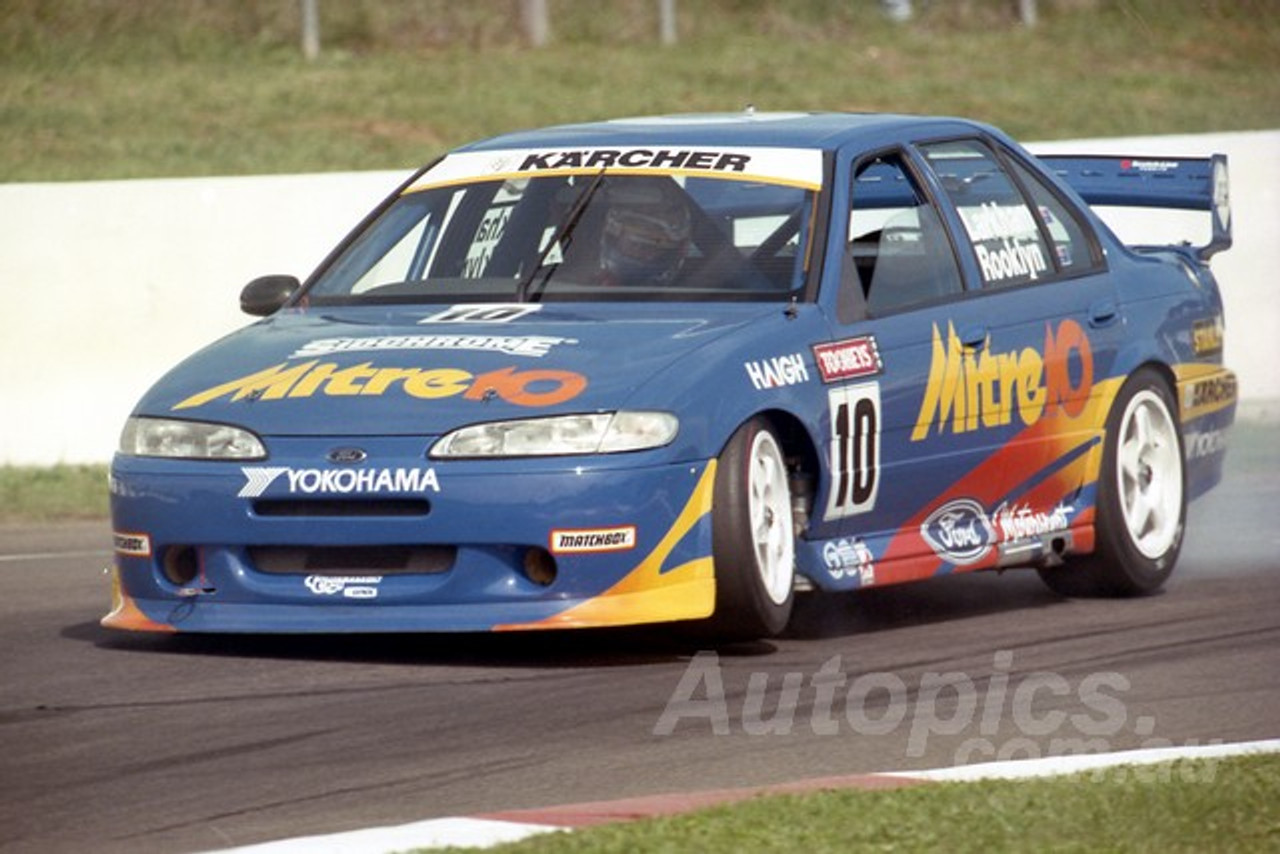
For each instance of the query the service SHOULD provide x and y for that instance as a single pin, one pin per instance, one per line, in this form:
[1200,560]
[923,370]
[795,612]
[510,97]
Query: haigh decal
[521,387]
[777,372]
[968,390]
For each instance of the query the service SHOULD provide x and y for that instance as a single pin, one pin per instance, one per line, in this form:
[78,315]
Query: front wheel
[1142,498]
[753,536]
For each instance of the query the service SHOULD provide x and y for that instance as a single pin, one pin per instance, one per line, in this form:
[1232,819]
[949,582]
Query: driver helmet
[646,232]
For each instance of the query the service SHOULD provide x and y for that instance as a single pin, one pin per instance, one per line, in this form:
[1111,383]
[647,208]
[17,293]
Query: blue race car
[678,368]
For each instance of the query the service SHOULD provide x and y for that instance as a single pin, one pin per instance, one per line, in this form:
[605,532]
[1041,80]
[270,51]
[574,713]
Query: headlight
[596,433]
[193,440]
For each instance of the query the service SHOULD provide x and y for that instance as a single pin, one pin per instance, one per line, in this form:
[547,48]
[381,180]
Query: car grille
[342,508]
[348,560]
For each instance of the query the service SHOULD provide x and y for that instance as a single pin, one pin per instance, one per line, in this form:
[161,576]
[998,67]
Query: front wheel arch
[753,534]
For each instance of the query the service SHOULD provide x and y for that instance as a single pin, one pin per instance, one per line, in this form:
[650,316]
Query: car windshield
[582,234]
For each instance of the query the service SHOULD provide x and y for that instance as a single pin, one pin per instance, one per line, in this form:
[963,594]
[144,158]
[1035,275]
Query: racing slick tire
[753,536]
[1142,498]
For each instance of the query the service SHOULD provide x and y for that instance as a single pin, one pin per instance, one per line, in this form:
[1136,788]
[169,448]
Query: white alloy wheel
[1149,475]
[752,535]
[1141,498]
[769,508]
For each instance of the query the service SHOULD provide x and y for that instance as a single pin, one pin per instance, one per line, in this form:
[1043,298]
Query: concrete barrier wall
[108,284]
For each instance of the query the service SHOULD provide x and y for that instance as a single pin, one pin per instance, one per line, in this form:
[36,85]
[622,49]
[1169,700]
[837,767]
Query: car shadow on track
[622,647]
[940,600]
[817,616]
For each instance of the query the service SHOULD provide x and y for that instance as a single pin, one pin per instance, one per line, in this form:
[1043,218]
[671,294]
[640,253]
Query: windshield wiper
[563,235]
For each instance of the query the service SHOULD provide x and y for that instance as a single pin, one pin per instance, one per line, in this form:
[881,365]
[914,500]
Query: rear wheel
[753,536]
[1142,498]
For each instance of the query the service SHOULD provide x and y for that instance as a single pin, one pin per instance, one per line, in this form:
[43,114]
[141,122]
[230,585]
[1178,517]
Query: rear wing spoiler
[1185,183]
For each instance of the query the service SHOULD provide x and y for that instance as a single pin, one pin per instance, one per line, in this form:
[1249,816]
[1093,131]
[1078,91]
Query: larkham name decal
[637,158]
[521,387]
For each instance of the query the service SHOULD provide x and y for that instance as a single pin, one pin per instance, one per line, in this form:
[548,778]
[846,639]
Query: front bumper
[402,544]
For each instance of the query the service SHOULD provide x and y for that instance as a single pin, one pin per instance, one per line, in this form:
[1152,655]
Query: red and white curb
[495,828]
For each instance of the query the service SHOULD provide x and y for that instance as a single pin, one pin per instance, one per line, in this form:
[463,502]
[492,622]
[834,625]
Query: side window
[1073,246]
[896,240]
[1005,234]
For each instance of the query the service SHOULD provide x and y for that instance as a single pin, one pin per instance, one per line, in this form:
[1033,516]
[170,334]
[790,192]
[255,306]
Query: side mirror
[265,294]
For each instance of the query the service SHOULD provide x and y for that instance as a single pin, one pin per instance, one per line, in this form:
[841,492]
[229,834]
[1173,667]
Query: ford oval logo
[347,456]
[959,531]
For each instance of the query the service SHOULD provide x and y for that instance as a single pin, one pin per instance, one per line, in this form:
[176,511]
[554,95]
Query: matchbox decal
[588,540]
[131,544]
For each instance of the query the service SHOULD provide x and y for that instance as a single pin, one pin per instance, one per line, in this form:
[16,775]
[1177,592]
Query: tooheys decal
[537,387]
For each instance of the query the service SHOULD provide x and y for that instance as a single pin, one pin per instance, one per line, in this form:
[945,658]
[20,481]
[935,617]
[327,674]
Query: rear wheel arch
[1141,498]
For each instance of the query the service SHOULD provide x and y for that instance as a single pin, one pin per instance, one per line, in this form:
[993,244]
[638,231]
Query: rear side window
[1073,245]
[1007,239]
[896,240]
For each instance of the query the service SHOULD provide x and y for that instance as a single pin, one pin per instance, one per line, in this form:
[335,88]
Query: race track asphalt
[115,742]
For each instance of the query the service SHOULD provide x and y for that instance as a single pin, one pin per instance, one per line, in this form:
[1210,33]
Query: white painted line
[433,833]
[484,833]
[54,555]
[1049,766]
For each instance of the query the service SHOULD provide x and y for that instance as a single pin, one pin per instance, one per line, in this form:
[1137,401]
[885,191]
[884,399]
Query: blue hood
[424,370]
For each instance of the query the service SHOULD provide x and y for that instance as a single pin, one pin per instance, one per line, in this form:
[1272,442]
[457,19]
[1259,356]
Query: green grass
[48,493]
[92,89]
[1205,805]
